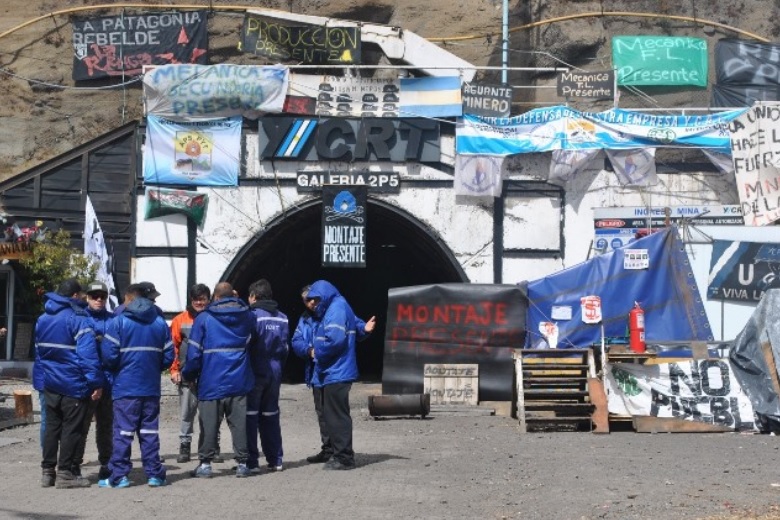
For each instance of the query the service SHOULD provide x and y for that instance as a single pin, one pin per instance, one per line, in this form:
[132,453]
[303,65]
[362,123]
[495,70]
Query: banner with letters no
[121,45]
[703,390]
[344,226]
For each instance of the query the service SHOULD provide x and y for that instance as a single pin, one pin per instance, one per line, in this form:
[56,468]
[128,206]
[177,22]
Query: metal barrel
[408,404]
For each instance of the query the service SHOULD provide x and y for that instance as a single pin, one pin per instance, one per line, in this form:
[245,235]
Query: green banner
[163,201]
[659,60]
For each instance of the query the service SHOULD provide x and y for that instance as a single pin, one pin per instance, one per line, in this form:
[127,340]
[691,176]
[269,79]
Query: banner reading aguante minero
[122,45]
[344,226]
[453,323]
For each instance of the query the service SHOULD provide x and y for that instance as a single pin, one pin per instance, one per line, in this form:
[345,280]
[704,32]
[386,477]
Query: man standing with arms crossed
[67,358]
[97,295]
[218,358]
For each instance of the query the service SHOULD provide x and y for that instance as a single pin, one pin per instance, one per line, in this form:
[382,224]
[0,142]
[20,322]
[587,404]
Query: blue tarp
[667,292]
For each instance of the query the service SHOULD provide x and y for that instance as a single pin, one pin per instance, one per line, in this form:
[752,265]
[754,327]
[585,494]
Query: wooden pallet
[553,389]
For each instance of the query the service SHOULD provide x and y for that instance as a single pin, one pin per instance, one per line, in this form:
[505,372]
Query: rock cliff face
[44,113]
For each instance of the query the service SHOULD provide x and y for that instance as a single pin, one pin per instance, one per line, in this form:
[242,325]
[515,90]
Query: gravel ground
[445,466]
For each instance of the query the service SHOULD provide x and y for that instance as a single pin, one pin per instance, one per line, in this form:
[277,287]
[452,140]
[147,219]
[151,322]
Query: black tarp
[454,323]
[747,357]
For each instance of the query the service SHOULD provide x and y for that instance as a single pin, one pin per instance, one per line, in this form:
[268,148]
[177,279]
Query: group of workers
[226,358]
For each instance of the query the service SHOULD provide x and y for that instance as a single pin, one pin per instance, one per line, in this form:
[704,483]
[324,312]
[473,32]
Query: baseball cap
[147,290]
[96,286]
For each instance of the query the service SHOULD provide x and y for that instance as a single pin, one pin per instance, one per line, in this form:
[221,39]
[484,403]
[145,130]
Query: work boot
[184,452]
[48,476]
[67,480]
[323,456]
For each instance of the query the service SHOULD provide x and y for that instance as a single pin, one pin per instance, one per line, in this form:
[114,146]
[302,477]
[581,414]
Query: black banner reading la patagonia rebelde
[122,45]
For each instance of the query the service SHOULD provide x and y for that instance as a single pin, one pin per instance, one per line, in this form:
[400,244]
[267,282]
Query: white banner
[95,250]
[755,147]
[702,390]
[192,92]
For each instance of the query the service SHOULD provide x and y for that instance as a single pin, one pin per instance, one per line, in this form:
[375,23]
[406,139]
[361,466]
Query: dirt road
[441,467]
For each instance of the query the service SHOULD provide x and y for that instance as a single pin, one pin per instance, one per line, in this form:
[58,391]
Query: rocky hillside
[44,113]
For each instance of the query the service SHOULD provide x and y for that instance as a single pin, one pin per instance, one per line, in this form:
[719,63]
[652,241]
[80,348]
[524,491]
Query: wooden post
[23,404]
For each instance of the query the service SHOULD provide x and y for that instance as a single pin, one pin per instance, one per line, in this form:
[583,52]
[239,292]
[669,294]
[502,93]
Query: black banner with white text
[344,226]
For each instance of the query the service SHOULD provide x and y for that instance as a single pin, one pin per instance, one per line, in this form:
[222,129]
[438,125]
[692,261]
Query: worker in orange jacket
[181,325]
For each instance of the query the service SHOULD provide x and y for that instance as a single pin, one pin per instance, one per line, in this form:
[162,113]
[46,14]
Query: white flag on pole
[95,249]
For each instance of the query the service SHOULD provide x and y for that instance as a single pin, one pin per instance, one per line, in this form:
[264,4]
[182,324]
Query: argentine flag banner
[202,153]
[563,128]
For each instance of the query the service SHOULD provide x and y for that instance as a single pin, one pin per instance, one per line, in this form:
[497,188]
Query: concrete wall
[236,215]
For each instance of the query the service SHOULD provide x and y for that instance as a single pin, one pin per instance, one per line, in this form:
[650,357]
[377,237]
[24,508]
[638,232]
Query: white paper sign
[636,259]
[549,330]
[561,312]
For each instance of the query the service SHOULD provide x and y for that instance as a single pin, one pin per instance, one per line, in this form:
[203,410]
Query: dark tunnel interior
[400,252]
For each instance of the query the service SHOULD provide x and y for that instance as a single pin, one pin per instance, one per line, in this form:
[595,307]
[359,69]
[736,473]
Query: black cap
[147,290]
[69,287]
[97,286]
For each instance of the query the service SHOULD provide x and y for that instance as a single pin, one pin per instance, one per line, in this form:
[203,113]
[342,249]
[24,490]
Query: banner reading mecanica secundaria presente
[192,92]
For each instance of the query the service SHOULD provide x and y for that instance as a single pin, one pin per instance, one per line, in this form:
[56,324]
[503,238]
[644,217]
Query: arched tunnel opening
[400,251]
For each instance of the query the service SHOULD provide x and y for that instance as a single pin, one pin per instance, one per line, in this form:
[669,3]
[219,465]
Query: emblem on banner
[192,152]
[344,206]
[591,309]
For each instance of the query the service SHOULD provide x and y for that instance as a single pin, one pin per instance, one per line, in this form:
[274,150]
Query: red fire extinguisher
[636,329]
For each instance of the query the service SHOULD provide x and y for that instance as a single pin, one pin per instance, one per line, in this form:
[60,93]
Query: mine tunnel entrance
[400,251]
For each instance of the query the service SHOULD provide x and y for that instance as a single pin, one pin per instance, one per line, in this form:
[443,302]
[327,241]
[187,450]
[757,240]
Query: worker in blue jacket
[302,344]
[136,348]
[272,334]
[218,358]
[334,339]
[102,409]
[67,368]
